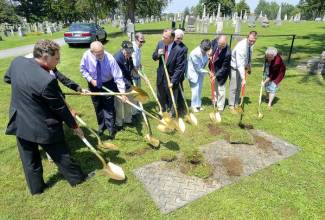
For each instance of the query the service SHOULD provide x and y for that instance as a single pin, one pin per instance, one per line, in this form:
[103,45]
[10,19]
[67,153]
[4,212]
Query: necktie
[249,54]
[166,53]
[99,75]
[216,54]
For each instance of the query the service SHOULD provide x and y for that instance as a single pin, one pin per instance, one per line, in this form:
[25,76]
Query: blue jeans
[196,89]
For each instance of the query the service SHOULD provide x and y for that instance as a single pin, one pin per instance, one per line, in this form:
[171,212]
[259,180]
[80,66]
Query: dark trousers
[104,106]
[164,97]
[32,164]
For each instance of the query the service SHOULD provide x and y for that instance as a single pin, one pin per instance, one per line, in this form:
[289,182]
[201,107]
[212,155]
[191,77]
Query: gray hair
[179,32]
[45,47]
[271,51]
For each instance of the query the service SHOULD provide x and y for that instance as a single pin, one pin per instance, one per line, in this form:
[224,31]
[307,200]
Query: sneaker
[90,175]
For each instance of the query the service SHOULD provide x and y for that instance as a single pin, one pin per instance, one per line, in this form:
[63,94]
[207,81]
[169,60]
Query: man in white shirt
[136,56]
[240,64]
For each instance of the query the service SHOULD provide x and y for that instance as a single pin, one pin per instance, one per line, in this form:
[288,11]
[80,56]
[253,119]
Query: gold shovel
[164,126]
[112,170]
[101,144]
[189,117]
[181,124]
[152,141]
[215,115]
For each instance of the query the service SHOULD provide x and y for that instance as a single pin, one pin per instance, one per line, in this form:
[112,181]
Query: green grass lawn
[292,189]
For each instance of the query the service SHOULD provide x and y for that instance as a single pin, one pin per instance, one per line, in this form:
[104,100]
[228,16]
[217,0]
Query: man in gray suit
[37,110]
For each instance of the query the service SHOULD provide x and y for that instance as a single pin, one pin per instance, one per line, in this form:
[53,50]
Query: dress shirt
[136,56]
[239,57]
[109,67]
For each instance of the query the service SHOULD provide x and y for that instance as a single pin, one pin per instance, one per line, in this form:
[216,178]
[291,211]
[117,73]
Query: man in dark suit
[36,113]
[175,61]
[219,66]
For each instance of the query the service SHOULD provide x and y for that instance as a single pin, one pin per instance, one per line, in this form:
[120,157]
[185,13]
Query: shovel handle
[168,84]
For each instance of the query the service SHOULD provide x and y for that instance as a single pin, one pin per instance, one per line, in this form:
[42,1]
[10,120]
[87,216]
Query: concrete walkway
[17,51]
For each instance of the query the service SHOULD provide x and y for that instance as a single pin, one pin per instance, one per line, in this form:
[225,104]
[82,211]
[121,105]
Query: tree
[212,6]
[186,12]
[287,9]
[270,9]
[33,11]
[310,9]
[7,13]
[242,6]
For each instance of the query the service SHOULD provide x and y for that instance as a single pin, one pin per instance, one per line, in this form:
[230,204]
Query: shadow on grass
[171,145]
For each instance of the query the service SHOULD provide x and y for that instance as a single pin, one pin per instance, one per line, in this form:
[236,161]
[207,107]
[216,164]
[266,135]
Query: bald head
[97,49]
[222,41]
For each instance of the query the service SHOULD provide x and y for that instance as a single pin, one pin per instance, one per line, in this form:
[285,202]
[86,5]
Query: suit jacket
[37,108]
[66,81]
[222,63]
[184,47]
[175,64]
[126,67]
[196,62]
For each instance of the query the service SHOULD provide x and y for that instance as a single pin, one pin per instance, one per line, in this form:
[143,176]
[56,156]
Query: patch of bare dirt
[265,145]
[214,130]
[233,166]
[138,152]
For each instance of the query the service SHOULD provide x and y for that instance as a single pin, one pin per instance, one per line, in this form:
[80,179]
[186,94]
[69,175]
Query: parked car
[84,33]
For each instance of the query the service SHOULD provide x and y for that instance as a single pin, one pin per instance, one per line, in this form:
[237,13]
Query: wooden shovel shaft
[135,106]
[145,78]
[169,85]
[100,93]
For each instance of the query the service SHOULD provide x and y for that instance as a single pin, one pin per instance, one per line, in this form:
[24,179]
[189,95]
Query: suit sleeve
[7,76]
[67,82]
[155,55]
[56,103]
[179,67]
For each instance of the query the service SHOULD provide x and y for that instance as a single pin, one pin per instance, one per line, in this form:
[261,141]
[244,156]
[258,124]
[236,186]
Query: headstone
[218,13]
[198,24]
[204,12]
[265,22]
[285,17]
[186,18]
[48,30]
[324,18]
[20,32]
[251,20]
[12,31]
[291,19]
[205,25]
[190,24]
[237,27]
[278,17]
[219,26]
[130,31]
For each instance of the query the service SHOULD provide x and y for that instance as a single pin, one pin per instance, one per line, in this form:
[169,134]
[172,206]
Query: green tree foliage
[268,8]
[287,9]
[242,6]
[227,6]
[310,9]
[33,11]
[7,13]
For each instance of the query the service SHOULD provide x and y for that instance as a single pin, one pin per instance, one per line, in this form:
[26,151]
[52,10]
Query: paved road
[13,52]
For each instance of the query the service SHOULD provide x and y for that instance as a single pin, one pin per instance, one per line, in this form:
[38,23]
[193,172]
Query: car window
[80,27]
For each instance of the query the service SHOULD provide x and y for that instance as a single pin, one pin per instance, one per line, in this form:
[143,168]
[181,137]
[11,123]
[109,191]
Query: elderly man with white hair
[274,71]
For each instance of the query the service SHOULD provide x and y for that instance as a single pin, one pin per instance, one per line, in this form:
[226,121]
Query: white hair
[179,32]
[271,51]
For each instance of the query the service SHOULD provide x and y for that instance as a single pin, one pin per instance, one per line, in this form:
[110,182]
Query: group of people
[38,107]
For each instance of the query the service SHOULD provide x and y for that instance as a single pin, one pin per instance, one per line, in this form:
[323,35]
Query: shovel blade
[194,120]
[163,128]
[152,141]
[181,125]
[114,172]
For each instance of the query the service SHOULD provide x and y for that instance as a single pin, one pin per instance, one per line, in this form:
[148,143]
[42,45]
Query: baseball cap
[127,45]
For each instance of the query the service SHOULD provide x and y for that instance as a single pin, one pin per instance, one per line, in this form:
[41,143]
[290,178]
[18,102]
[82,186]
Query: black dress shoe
[111,135]
[100,132]
[119,128]
[90,175]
